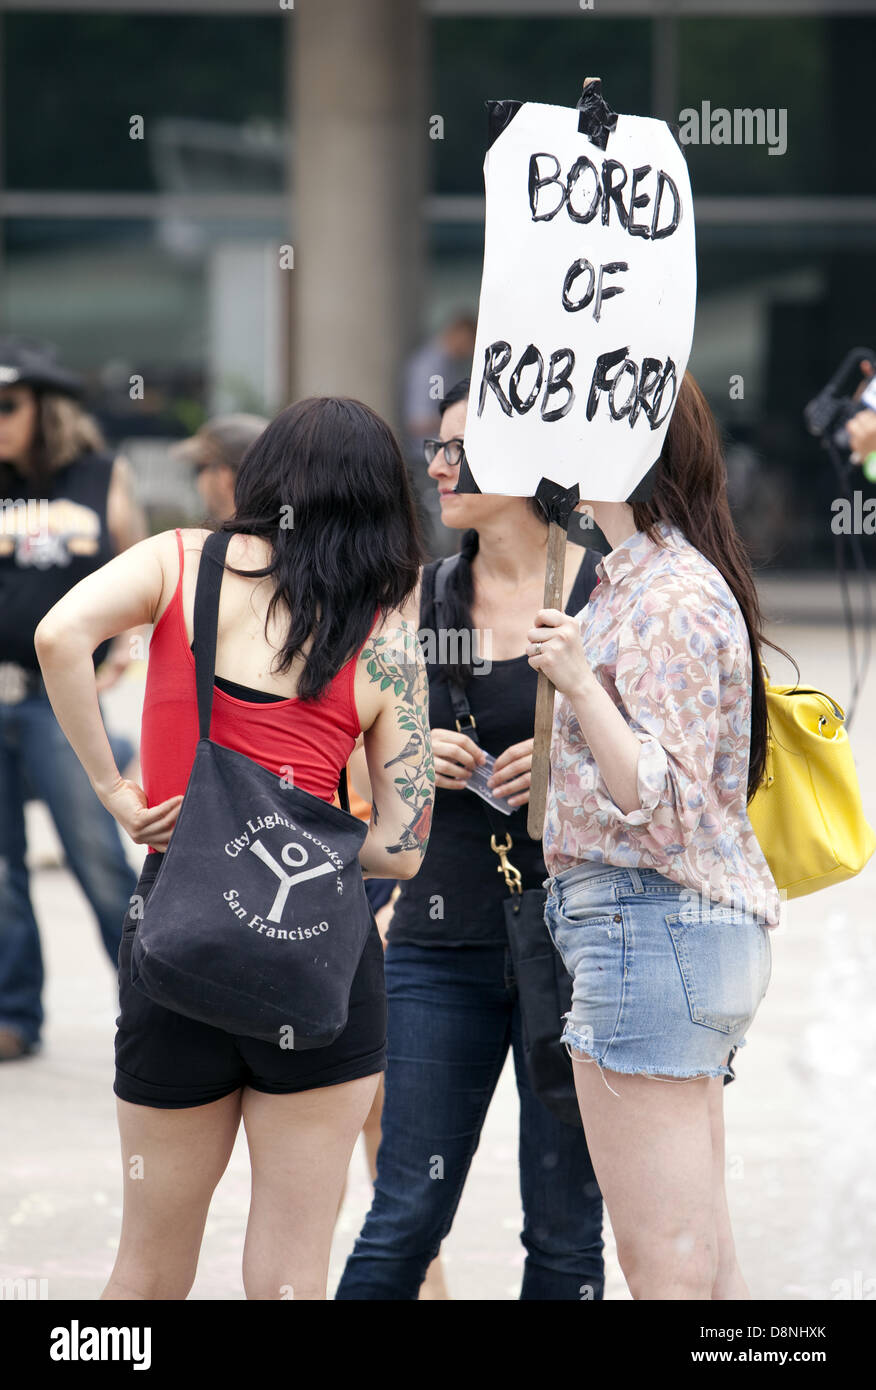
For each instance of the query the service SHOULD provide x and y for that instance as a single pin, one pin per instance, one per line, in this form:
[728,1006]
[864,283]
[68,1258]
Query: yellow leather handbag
[807,812]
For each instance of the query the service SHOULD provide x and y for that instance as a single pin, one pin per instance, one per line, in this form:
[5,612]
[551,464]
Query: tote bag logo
[286,880]
[284,869]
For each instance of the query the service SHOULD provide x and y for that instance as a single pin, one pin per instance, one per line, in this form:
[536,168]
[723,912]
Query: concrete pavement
[800,1118]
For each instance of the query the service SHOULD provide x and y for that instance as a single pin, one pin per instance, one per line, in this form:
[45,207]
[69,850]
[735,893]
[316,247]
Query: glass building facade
[147,179]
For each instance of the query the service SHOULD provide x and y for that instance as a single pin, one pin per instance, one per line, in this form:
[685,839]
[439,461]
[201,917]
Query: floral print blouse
[666,638]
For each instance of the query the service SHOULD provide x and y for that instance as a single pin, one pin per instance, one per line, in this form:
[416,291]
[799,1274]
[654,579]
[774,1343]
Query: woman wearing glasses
[453,1009]
[68,511]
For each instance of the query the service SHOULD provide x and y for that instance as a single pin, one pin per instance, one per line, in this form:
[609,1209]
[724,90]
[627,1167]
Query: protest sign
[587,304]
[585,321]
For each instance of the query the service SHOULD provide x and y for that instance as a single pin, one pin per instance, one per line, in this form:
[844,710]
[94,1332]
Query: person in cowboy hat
[65,509]
[215,453]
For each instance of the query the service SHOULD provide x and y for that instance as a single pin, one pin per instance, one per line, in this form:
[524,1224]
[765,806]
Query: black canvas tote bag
[258,916]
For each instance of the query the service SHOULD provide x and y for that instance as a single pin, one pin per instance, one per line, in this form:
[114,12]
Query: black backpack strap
[465,720]
[441,575]
[206,623]
[428,616]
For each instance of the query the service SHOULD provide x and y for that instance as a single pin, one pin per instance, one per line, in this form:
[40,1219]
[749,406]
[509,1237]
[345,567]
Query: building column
[359,132]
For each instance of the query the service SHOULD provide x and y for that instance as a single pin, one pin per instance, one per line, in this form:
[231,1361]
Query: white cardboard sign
[587,305]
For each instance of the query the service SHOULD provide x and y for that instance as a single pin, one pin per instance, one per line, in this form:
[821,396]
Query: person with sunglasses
[66,508]
[454,1009]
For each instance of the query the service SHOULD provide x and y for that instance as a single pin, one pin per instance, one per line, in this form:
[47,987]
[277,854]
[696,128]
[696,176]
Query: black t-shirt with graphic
[47,544]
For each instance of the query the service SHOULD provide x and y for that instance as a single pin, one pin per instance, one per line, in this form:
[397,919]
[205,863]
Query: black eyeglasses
[454,452]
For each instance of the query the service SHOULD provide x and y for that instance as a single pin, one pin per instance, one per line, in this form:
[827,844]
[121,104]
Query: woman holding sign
[660,897]
[454,1000]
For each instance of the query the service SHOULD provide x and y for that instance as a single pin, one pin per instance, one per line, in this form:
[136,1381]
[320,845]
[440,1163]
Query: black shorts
[170,1062]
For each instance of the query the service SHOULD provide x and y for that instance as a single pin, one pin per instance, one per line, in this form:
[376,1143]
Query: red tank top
[307,740]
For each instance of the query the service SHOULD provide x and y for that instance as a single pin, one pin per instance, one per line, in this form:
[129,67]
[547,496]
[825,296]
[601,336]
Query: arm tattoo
[398,663]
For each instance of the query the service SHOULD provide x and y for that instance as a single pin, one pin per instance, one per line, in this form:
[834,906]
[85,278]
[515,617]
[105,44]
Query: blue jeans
[35,758]
[666,982]
[453,1013]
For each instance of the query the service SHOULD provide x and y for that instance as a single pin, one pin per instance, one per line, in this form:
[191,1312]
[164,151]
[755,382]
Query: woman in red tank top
[312,740]
[311,653]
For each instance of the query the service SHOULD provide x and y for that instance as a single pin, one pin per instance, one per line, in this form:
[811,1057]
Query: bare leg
[371,1131]
[300,1147]
[172,1161]
[729,1283]
[651,1146]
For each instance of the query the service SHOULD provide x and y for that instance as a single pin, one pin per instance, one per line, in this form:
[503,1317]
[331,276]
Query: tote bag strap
[206,623]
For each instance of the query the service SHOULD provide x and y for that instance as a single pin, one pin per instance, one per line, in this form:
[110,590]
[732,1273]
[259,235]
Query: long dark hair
[690,492]
[459,596]
[327,486]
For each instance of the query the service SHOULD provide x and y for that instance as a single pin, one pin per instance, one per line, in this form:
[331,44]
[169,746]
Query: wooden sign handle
[555,568]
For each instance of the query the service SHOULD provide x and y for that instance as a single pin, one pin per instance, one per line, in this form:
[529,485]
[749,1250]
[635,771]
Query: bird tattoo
[411,748]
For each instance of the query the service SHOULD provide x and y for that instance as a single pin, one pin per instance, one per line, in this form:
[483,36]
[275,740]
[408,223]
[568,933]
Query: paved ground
[800,1118]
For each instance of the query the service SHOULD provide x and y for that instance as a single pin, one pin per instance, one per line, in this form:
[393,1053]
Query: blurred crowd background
[215,206]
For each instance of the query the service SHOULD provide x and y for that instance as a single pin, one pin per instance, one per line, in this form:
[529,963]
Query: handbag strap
[585,581]
[467,724]
[206,625]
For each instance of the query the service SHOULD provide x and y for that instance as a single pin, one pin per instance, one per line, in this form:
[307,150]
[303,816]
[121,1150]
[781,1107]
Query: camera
[828,413]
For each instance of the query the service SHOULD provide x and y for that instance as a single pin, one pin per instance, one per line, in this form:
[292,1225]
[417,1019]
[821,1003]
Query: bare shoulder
[392,654]
[193,537]
[244,551]
[164,550]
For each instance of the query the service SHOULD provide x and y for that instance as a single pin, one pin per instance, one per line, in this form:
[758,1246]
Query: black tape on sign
[500,114]
[596,119]
[464,480]
[557,502]
[645,486]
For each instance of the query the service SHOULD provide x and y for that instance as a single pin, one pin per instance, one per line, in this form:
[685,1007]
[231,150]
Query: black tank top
[456,898]
[45,550]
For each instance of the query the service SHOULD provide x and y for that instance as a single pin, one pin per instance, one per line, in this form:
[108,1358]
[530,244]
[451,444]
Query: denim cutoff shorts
[664,983]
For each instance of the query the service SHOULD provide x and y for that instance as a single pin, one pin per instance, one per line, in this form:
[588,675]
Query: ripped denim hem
[583,1044]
